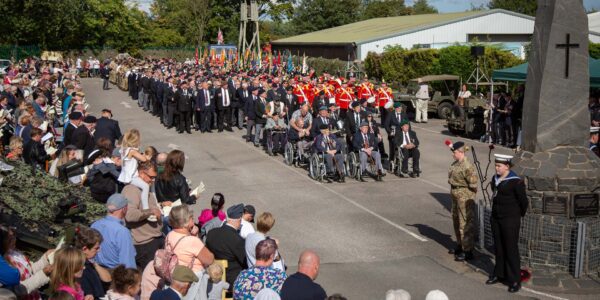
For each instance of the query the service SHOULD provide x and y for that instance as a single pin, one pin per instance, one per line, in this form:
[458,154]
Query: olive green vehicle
[469,120]
[442,92]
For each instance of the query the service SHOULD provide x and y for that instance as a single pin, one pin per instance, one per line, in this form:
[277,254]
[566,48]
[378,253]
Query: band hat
[90,119]
[355,104]
[76,115]
[236,211]
[502,158]
[594,129]
[184,274]
[404,122]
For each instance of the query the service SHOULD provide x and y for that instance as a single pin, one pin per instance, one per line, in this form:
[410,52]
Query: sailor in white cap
[594,134]
[509,204]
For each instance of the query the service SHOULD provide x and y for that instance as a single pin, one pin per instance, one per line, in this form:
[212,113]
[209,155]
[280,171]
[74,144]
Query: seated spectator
[117,246]
[267,294]
[184,242]
[32,275]
[182,279]
[247,220]
[397,295]
[34,153]
[16,149]
[261,276]
[9,275]
[147,234]
[126,284]
[102,178]
[95,277]
[214,279]
[161,159]
[225,243]
[69,154]
[171,184]
[301,285]
[277,126]
[216,203]
[68,268]
[264,224]
[436,295]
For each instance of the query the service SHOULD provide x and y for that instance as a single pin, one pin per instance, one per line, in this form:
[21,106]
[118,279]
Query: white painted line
[543,294]
[172,146]
[127,105]
[386,220]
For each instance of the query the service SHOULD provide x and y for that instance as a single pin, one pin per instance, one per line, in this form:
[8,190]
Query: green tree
[527,7]
[384,8]
[420,7]
[594,50]
[313,15]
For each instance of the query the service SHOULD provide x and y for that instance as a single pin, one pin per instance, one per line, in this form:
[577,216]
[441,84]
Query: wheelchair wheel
[353,165]
[288,154]
[314,167]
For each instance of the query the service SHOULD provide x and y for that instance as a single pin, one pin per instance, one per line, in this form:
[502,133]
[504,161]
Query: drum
[371,99]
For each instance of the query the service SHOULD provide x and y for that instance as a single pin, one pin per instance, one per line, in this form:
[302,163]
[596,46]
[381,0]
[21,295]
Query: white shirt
[464,94]
[404,138]
[246,229]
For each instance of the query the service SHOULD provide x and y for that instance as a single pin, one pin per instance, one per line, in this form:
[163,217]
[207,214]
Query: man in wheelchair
[365,143]
[326,144]
[408,146]
[276,129]
[299,133]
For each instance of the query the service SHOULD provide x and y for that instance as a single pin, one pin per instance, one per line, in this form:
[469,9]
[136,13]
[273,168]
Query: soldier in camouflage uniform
[463,183]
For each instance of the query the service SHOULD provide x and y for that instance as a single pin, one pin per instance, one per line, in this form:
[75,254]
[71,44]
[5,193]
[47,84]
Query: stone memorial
[561,173]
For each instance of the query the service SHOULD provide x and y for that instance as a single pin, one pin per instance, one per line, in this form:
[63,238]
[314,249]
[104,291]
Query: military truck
[443,91]
[469,120]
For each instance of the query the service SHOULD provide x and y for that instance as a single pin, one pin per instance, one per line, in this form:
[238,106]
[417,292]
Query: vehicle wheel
[288,154]
[444,109]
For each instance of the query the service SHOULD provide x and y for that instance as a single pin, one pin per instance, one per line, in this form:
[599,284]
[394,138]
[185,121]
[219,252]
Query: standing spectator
[261,116]
[74,122]
[261,276]
[225,243]
[249,109]
[147,235]
[107,127]
[105,74]
[301,284]
[82,136]
[94,277]
[126,284]
[117,246]
[182,279]
[184,242]
[422,102]
[247,220]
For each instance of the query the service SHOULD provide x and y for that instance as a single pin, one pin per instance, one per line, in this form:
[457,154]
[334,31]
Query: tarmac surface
[371,237]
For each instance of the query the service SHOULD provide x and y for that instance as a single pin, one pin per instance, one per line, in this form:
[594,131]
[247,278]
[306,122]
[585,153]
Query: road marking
[543,294]
[386,220]
[173,146]
[127,105]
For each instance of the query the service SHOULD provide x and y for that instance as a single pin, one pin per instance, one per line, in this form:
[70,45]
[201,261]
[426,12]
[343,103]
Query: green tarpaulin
[519,73]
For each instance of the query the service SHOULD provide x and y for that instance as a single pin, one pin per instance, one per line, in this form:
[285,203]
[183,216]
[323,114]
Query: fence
[557,242]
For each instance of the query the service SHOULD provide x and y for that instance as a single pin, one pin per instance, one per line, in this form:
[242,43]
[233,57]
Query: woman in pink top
[184,242]
[217,202]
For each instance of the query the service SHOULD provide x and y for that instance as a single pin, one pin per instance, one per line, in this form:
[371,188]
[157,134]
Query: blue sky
[441,5]
[462,5]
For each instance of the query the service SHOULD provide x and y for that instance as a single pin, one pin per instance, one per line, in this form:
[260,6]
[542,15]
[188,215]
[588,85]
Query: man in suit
[181,280]
[224,99]
[392,126]
[169,101]
[183,98]
[204,107]
[226,243]
[261,115]
[353,120]
[107,127]
[290,100]
[74,122]
[158,87]
[322,118]
[326,143]
[365,143]
[318,102]
[146,85]
[250,109]
[241,96]
[408,142]
[82,136]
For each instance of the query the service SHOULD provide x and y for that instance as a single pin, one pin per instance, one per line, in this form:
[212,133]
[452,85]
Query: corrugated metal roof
[374,29]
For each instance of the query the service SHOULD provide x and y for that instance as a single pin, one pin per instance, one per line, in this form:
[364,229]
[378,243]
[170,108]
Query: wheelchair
[353,163]
[269,134]
[317,167]
[396,163]
[291,155]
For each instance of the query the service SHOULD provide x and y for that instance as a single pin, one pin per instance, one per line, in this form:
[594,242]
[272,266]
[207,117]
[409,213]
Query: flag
[196,55]
[220,37]
[290,64]
[304,65]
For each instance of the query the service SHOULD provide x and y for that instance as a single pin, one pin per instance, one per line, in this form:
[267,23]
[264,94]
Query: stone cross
[555,109]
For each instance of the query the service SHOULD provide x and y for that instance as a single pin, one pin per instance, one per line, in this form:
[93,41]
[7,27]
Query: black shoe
[362,178]
[256,145]
[514,287]
[191,202]
[456,250]
[381,173]
[378,178]
[342,179]
[209,131]
[492,280]
[179,131]
[463,256]
[169,127]
[413,175]
[188,131]
[220,130]
[229,129]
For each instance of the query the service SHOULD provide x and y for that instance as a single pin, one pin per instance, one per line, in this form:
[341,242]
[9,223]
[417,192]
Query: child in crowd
[216,285]
[68,268]
[130,157]
[126,284]
[151,153]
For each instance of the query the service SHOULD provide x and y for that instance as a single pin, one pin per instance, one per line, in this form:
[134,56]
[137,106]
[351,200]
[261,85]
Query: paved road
[371,236]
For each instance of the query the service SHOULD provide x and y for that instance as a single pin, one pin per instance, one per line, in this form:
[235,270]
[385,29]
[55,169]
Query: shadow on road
[443,199]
